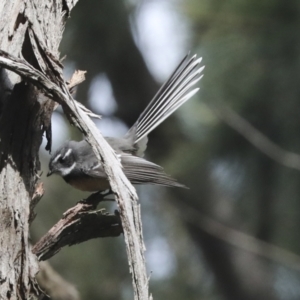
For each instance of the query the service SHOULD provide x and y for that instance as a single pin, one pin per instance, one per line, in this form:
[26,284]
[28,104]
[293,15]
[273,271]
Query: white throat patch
[67,171]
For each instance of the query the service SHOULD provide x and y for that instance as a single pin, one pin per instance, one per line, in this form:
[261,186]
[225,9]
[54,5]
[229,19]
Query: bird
[77,164]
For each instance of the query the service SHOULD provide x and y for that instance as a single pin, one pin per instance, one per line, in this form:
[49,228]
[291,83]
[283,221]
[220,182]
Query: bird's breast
[88,184]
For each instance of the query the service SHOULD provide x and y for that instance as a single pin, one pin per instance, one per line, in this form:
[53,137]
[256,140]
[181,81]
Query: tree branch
[125,194]
[239,239]
[79,224]
[54,285]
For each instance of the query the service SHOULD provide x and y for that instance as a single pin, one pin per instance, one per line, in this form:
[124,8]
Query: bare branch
[256,138]
[240,239]
[54,285]
[79,224]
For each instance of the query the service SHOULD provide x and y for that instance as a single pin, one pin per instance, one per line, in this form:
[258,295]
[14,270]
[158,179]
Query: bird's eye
[61,160]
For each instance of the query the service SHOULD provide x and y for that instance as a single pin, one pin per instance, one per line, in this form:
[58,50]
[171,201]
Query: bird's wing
[95,171]
[141,171]
[138,171]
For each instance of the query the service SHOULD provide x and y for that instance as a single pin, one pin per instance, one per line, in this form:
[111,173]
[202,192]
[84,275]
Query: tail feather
[175,92]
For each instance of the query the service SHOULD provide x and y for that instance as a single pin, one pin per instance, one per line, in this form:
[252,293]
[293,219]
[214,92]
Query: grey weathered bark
[24,118]
[30,35]
[79,224]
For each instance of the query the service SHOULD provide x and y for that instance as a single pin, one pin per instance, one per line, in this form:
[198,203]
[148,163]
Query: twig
[77,78]
[37,196]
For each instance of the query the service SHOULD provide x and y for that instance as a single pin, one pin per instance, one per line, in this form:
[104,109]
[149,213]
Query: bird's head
[63,161]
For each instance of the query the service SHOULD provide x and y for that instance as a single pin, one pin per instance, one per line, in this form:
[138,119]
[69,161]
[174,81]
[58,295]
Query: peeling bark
[24,116]
[79,224]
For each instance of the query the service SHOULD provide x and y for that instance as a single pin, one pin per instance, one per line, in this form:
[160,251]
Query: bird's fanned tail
[176,91]
[78,165]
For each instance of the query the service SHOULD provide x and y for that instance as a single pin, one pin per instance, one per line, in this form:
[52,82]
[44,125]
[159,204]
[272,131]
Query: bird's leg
[107,192]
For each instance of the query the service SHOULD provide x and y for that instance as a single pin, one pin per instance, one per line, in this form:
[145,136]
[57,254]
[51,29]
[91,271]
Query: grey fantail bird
[78,165]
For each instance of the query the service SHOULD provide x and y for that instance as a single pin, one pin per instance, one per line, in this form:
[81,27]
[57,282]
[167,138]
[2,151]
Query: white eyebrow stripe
[56,158]
[67,171]
[67,153]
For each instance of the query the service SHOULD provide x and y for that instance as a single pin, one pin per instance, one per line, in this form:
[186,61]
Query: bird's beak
[49,173]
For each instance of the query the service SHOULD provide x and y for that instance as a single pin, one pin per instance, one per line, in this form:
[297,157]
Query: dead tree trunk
[24,116]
